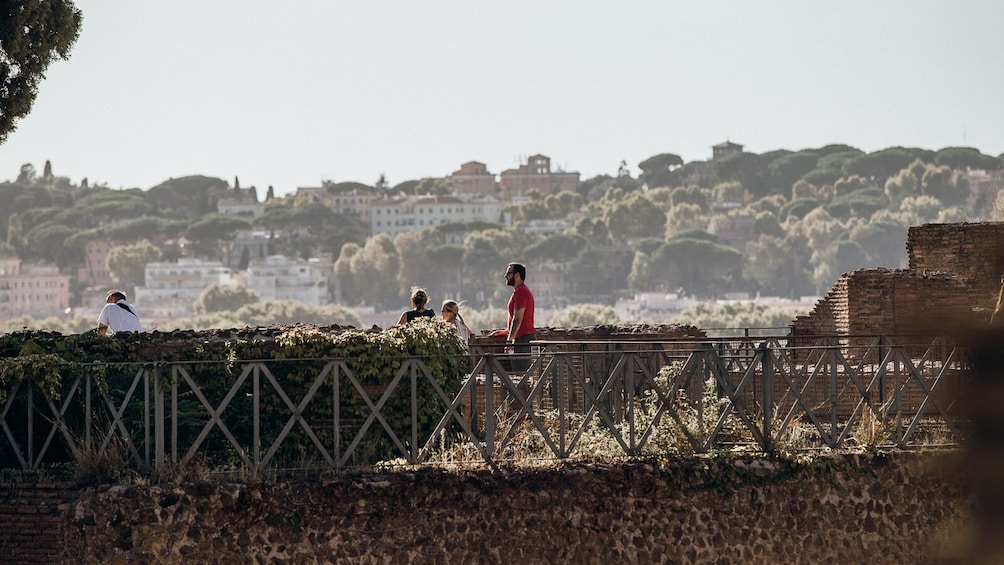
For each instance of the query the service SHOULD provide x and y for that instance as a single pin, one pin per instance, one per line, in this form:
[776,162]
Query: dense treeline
[784,223]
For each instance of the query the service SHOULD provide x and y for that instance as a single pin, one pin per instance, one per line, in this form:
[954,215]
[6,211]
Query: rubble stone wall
[853,508]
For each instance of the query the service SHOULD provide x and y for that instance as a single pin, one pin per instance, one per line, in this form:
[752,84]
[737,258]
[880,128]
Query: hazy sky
[290,93]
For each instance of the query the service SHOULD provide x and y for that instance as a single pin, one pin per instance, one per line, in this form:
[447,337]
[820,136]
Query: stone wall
[31,521]
[883,508]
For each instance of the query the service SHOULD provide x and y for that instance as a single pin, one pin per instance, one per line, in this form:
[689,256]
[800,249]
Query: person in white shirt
[118,315]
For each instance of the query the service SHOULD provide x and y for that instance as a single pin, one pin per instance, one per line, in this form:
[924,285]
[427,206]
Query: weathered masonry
[952,281]
[902,507]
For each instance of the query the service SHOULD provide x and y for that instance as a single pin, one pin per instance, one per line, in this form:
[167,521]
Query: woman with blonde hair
[419,298]
[451,313]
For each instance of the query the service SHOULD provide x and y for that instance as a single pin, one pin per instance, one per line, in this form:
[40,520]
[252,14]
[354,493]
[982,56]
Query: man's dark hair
[117,295]
[519,268]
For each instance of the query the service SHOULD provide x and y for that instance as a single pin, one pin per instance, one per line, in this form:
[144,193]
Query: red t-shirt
[522,298]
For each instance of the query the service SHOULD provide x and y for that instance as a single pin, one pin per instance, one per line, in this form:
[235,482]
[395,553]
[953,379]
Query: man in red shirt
[521,329]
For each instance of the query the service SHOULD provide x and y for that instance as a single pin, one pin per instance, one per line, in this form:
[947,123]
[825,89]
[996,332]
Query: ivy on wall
[294,355]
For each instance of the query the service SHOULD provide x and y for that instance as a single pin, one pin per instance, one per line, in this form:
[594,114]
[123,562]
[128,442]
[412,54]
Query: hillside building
[725,149]
[278,277]
[411,213]
[94,273]
[536,174]
[173,287]
[474,179]
[241,202]
[32,289]
[357,202]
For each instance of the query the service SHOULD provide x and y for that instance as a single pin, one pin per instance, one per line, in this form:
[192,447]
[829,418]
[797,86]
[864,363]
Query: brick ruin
[952,282]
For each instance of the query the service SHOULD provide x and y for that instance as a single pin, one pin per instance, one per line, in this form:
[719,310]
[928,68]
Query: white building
[357,201]
[172,288]
[413,213]
[241,202]
[249,245]
[282,278]
[32,289]
[652,307]
[545,226]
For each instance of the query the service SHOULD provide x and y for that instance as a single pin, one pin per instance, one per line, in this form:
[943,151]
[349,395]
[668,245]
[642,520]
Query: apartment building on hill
[278,277]
[95,273]
[536,174]
[173,287]
[411,213]
[241,202]
[472,178]
[725,149]
[32,289]
[356,201]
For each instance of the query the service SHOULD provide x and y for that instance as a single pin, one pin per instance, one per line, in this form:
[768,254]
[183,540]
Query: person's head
[114,295]
[515,274]
[451,310]
[419,298]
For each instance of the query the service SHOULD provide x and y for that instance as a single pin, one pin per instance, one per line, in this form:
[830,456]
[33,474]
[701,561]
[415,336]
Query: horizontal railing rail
[575,398]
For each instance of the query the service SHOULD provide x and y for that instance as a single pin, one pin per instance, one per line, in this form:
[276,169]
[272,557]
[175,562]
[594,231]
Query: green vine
[294,355]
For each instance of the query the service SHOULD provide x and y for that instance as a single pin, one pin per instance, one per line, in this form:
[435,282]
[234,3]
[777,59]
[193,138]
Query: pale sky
[292,93]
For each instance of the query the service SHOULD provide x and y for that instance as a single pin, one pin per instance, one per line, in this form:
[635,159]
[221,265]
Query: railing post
[337,415]
[31,426]
[881,357]
[174,415]
[629,388]
[158,419]
[561,393]
[767,395]
[87,411]
[147,409]
[256,417]
[490,406]
[413,456]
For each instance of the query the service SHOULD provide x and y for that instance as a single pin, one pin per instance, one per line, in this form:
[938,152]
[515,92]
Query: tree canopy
[224,298]
[32,35]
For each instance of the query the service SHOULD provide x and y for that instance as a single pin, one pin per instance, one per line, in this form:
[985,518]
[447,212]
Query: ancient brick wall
[882,508]
[953,280]
[31,521]
[828,317]
[886,302]
[972,251]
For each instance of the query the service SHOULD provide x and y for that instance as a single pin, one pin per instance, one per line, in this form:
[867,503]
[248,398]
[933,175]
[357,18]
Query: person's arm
[103,321]
[517,319]
[403,320]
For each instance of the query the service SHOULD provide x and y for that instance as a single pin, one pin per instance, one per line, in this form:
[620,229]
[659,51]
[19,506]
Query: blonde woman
[419,298]
[451,313]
